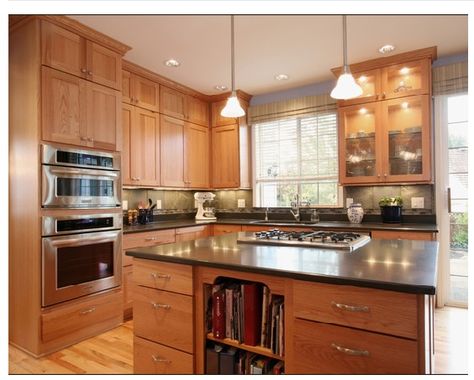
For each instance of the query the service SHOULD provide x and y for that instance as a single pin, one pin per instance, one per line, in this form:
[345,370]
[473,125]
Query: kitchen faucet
[296,205]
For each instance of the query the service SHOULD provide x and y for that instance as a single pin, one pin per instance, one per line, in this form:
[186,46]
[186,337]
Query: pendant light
[232,107]
[346,86]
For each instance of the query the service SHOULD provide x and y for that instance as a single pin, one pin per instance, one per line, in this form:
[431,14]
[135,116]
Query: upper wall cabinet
[71,53]
[197,111]
[140,91]
[172,103]
[196,156]
[172,152]
[217,119]
[78,112]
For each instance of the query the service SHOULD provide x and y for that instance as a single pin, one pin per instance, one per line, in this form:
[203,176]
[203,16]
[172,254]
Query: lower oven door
[77,265]
[78,188]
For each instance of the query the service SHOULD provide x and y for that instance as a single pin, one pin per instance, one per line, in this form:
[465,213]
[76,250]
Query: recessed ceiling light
[281,77]
[386,49]
[172,63]
[220,87]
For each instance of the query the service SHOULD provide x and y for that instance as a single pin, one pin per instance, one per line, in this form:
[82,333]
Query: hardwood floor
[112,352]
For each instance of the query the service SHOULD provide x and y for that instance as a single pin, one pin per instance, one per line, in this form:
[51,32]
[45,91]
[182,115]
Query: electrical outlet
[241,203]
[349,201]
[124,205]
[158,204]
[418,202]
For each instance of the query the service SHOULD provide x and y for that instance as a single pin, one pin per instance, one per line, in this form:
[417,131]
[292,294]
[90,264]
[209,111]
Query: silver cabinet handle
[160,275]
[89,72]
[90,139]
[342,306]
[385,174]
[157,359]
[87,311]
[83,70]
[449,200]
[350,351]
[160,305]
[83,138]
[151,239]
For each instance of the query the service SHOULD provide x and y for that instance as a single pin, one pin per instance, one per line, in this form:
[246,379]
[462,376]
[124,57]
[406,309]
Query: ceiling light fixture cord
[344,43]
[232,51]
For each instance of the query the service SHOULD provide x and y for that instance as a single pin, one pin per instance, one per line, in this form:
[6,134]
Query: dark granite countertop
[336,225]
[401,265]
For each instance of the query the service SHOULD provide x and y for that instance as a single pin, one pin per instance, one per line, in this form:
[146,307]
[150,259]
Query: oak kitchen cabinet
[172,152]
[140,91]
[197,111]
[141,147]
[69,52]
[78,112]
[172,103]
[196,156]
[217,119]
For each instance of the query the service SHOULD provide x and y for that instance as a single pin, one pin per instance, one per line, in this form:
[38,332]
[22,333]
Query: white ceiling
[303,47]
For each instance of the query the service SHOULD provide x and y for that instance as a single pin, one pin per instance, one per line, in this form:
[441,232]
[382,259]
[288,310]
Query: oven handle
[83,172]
[79,240]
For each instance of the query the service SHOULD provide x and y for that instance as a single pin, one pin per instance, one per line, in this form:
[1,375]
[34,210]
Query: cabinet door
[225,156]
[103,117]
[198,111]
[172,152]
[196,156]
[127,284]
[217,119]
[407,139]
[192,233]
[409,235]
[62,49]
[127,120]
[145,148]
[126,87]
[172,103]
[104,66]
[406,79]
[359,144]
[63,103]
[145,93]
[371,83]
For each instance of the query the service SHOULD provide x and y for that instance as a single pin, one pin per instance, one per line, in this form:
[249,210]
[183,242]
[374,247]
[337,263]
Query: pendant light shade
[232,107]
[346,86]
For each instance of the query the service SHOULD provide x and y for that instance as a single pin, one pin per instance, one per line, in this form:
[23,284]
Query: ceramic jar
[355,213]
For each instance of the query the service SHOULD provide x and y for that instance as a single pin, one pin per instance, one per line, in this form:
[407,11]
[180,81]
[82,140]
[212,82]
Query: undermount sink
[283,222]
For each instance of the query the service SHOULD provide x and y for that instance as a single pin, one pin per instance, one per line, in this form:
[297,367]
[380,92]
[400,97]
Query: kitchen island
[366,311]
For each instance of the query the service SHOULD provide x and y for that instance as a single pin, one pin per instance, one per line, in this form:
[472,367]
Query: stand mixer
[204,213]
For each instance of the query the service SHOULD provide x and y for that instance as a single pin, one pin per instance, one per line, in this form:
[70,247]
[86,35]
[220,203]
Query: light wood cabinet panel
[126,87]
[153,358]
[217,119]
[172,152]
[371,83]
[177,278]
[225,157]
[410,235]
[172,103]
[192,233]
[376,310]
[127,289]
[127,121]
[145,93]
[222,229]
[62,49]
[104,66]
[80,317]
[147,239]
[322,348]
[406,79]
[145,148]
[64,99]
[164,317]
[103,117]
[196,156]
[197,111]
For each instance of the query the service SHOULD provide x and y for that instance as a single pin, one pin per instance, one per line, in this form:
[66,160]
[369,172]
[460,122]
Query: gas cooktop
[317,239]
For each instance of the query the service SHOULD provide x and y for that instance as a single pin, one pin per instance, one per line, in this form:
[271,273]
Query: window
[296,156]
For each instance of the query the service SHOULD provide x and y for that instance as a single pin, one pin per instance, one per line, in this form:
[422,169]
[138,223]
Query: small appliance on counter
[204,213]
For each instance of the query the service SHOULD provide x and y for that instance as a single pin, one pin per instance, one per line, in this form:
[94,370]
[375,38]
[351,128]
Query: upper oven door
[77,265]
[79,188]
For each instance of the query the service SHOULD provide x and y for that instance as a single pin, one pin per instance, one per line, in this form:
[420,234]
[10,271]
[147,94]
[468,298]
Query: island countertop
[400,265]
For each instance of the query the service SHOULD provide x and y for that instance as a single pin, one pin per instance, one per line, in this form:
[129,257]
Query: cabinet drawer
[369,309]
[163,317]
[153,358]
[192,233]
[221,229]
[410,235]
[146,239]
[82,318]
[326,349]
[171,277]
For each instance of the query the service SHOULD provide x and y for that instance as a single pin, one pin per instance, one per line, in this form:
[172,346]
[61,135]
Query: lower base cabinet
[321,348]
[154,358]
[127,285]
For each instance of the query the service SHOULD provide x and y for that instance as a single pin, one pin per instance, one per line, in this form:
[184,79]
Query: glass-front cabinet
[371,83]
[386,141]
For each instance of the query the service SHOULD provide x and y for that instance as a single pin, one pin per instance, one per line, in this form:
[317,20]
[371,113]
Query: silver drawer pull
[157,359]
[350,351]
[87,311]
[160,275]
[151,238]
[161,306]
[342,306]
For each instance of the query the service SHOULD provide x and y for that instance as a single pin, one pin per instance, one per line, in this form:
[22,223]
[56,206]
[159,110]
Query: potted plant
[391,209]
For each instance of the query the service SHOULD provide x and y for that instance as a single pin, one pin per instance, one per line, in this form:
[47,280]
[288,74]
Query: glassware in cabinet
[406,79]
